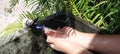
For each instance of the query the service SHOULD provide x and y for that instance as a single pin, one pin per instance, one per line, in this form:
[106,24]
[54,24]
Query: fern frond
[11,28]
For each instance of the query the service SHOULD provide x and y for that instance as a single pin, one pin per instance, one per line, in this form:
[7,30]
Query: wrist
[85,40]
[80,51]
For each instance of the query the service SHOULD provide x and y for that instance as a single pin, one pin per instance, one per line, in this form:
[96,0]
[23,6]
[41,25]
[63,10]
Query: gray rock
[23,42]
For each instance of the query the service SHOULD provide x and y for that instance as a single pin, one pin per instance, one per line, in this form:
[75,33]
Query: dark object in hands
[35,27]
[61,19]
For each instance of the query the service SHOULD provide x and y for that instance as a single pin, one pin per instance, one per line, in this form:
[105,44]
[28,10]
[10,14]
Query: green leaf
[95,18]
[99,22]
[93,8]
[80,4]
[11,28]
[113,11]
[92,14]
[85,6]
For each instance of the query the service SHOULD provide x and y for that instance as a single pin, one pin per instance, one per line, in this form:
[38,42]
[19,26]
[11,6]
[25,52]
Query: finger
[69,31]
[58,29]
[66,29]
[50,33]
[47,30]
[50,39]
[52,46]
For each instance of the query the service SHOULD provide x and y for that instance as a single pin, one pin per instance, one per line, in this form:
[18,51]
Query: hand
[66,46]
[69,40]
[61,40]
[72,35]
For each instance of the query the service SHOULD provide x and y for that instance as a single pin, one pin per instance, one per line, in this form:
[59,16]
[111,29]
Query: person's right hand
[72,35]
[61,44]
[81,38]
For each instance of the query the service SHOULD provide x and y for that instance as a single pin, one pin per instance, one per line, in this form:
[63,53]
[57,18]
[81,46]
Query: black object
[61,19]
[35,27]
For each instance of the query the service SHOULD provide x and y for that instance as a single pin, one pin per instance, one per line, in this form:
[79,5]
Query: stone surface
[24,42]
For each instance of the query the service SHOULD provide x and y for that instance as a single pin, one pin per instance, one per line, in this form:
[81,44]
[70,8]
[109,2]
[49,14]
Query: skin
[66,46]
[71,41]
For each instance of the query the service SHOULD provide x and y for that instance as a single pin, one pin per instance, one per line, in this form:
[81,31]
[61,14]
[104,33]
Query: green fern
[11,28]
[74,8]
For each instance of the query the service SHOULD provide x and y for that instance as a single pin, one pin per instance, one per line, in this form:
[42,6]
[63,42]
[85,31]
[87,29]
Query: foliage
[102,13]
[46,7]
[11,28]
[42,8]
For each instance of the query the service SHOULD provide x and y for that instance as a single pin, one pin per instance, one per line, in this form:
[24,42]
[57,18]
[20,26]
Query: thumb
[52,46]
[50,39]
[47,30]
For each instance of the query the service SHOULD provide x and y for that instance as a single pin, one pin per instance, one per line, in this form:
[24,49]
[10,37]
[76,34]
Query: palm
[67,33]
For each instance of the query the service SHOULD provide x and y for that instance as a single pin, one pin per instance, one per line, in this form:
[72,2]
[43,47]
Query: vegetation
[102,13]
